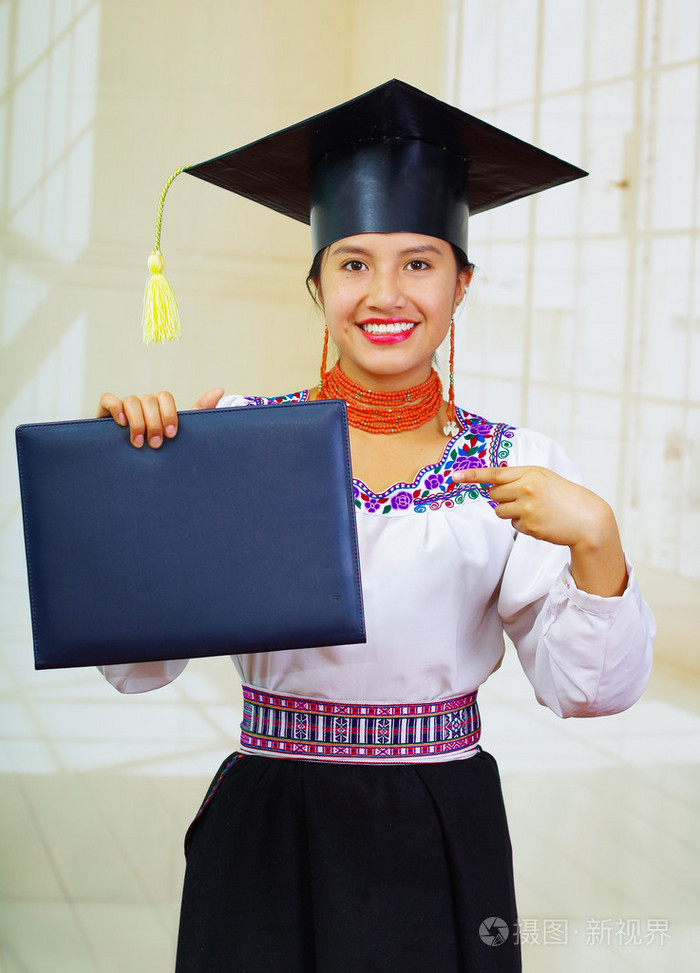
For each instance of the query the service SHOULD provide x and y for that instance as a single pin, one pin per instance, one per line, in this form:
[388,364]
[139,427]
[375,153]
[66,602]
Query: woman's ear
[463,282]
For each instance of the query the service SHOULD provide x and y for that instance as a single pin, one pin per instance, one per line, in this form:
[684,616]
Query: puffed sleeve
[584,655]
[141,677]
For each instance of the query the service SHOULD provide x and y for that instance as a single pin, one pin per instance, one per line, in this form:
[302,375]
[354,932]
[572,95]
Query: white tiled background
[583,322]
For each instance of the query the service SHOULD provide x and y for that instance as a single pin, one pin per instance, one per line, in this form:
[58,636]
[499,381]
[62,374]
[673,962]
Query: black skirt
[309,867]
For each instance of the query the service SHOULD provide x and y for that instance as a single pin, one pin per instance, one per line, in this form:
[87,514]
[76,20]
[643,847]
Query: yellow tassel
[161,318]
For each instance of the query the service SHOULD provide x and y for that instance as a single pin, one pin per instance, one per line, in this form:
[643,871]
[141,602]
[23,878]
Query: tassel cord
[161,204]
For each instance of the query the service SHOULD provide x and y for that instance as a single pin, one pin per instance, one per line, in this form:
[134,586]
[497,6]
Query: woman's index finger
[488,474]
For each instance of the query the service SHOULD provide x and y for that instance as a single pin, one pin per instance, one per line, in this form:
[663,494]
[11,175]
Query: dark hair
[314,274]
[462,259]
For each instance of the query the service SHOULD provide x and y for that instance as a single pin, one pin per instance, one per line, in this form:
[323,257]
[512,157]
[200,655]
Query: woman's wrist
[597,560]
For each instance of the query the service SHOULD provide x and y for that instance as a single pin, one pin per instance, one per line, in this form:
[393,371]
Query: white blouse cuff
[597,604]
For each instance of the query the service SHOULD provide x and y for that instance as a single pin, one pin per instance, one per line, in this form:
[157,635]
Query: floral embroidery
[401,500]
[468,463]
[434,481]
[479,444]
[291,398]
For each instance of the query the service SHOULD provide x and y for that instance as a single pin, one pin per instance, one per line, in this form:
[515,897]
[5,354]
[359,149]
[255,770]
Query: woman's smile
[387,330]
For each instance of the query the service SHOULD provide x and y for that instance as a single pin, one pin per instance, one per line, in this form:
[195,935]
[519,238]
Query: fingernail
[170,431]
[138,441]
[154,442]
[121,419]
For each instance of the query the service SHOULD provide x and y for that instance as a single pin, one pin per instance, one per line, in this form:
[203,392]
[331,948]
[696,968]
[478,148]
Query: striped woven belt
[296,726]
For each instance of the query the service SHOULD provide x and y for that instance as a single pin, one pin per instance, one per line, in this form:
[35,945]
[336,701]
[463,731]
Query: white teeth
[395,327]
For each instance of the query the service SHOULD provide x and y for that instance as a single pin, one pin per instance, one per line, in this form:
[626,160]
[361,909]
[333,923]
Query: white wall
[584,319]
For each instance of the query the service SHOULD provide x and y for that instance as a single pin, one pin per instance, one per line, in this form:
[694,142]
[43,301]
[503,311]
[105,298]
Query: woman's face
[388,299]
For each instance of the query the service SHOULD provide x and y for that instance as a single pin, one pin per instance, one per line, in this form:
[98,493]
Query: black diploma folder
[236,536]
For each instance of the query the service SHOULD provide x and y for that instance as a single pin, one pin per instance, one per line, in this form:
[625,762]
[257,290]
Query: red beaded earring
[324,358]
[451,429]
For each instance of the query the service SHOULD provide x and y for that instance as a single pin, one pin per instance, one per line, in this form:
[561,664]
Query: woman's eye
[354,265]
[417,265]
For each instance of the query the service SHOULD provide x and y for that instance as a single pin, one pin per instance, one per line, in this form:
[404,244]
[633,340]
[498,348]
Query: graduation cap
[392,160]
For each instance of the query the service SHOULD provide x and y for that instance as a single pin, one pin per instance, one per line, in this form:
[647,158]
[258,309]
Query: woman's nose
[385,290]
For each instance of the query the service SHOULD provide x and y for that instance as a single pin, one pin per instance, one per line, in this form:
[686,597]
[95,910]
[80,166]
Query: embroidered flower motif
[434,481]
[468,463]
[479,428]
[371,504]
[401,500]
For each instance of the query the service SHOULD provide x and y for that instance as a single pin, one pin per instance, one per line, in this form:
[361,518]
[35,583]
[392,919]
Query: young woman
[391,852]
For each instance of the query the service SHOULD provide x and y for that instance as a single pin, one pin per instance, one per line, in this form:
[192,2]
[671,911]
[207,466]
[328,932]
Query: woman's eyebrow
[421,248]
[346,249]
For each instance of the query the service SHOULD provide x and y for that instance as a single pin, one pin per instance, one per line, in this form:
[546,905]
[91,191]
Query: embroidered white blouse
[443,577]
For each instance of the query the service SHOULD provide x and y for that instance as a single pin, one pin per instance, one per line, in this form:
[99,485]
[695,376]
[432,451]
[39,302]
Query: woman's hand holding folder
[150,418]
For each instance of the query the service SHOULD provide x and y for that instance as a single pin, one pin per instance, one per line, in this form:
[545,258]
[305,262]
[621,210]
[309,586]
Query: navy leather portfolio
[236,536]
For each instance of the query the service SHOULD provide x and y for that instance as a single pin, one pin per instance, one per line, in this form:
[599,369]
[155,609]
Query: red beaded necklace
[384,412]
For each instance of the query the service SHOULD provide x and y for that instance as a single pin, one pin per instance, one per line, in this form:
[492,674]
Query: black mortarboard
[392,160]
